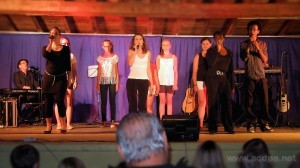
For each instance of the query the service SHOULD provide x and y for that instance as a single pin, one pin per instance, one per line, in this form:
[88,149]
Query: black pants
[137,87]
[261,88]
[57,95]
[219,87]
[111,88]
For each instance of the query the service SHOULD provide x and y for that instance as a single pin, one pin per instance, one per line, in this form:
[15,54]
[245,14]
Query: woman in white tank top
[166,64]
[140,74]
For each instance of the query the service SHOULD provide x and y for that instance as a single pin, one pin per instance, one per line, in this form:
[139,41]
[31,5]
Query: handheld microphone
[285,52]
[51,37]
[137,46]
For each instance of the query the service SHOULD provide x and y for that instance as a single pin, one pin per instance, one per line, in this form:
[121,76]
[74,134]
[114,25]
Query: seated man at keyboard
[25,79]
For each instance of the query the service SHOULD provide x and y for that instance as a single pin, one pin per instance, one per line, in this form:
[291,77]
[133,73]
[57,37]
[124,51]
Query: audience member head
[65,41]
[142,140]
[107,46]
[71,162]
[23,64]
[296,162]
[25,156]
[254,155]
[208,155]
[138,40]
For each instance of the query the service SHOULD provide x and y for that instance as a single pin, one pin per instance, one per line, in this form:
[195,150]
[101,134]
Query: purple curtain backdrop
[87,47]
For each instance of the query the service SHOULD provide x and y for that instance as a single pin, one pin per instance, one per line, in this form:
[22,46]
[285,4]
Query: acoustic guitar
[189,103]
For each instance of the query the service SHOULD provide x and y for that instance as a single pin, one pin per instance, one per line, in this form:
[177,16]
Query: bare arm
[175,86]
[117,75]
[98,77]
[74,72]
[195,69]
[149,72]
[131,56]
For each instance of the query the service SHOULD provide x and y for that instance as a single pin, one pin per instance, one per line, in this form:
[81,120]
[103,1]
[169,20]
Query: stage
[96,145]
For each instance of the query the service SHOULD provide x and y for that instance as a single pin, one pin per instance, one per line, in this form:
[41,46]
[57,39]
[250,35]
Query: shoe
[103,124]
[266,128]
[229,131]
[63,131]
[212,131]
[58,127]
[48,132]
[251,128]
[113,124]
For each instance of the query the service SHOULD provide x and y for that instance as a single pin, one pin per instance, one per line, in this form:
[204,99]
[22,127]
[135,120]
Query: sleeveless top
[138,70]
[202,68]
[166,71]
[108,73]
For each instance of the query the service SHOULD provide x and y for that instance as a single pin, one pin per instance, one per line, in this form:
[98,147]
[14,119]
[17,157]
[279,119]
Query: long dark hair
[144,47]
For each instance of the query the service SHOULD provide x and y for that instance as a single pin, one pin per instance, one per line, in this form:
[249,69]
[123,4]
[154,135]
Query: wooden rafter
[165,10]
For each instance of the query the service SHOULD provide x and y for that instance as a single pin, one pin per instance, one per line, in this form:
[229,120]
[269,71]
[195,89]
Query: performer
[72,85]
[151,95]
[199,70]
[255,55]
[140,74]
[108,79]
[166,63]
[219,81]
[55,82]
[25,79]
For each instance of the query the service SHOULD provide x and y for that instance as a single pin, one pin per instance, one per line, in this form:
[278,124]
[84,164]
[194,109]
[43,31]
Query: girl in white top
[166,64]
[140,74]
[108,79]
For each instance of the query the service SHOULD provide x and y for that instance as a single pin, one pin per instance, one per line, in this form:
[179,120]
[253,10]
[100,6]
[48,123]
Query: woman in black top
[199,70]
[55,78]
[219,81]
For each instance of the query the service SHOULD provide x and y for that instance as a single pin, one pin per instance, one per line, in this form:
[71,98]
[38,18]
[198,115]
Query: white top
[108,73]
[138,70]
[166,71]
[73,60]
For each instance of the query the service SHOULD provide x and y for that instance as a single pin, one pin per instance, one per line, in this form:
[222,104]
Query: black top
[202,67]
[58,62]
[222,63]
[21,79]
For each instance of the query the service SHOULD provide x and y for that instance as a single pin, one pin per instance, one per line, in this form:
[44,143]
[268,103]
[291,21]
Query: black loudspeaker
[181,127]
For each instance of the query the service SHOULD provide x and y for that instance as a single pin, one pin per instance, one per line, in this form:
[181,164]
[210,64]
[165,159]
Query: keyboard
[272,70]
[6,92]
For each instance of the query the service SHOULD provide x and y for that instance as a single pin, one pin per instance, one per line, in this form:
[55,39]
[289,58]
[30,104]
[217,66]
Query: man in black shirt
[24,79]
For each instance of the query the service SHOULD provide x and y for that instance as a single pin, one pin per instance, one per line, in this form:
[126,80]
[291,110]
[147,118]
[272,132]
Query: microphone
[51,37]
[32,68]
[137,46]
[284,52]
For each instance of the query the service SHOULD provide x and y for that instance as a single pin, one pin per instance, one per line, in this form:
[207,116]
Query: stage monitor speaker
[181,127]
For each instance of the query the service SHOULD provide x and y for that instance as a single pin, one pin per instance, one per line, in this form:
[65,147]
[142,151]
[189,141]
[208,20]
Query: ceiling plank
[229,26]
[156,10]
[39,24]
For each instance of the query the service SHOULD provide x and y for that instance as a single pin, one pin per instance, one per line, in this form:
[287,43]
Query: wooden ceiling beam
[155,10]
[229,26]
